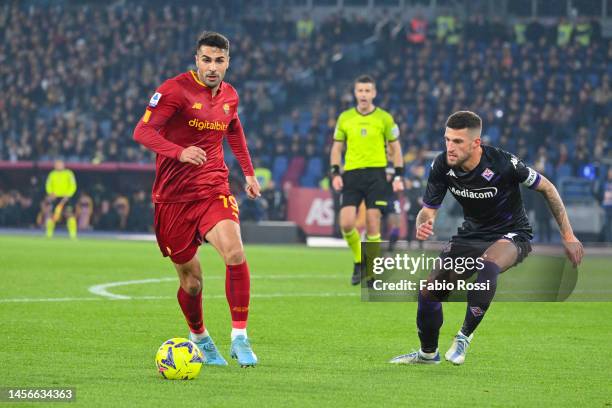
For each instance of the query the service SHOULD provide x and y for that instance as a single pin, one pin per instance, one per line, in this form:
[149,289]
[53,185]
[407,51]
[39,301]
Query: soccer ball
[179,359]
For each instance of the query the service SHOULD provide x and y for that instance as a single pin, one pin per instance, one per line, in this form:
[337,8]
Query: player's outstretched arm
[424,221]
[335,160]
[573,247]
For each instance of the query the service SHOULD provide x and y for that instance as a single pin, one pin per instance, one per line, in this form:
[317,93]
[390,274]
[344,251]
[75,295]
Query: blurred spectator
[305,27]
[252,210]
[122,207]
[413,192]
[275,202]
[264,177]
[9,209]
[520,32]
[447,30]
[140,213]
[108,219]
[583,32]
[417,30]
[84,211]
[564,32]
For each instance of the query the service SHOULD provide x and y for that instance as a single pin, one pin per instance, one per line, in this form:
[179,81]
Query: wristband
[399,171]
[335,170]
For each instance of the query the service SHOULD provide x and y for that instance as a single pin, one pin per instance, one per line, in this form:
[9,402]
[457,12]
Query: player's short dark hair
[213,39]
[464,120]
[365,79]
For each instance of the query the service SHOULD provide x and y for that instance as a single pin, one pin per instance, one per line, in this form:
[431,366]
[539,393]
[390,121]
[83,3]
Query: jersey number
[231,201]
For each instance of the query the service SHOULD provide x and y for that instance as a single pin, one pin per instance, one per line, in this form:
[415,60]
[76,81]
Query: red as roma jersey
[182,113]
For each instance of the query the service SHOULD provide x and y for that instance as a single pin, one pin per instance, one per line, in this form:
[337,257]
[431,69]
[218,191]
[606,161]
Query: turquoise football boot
[241,350]
[211,354]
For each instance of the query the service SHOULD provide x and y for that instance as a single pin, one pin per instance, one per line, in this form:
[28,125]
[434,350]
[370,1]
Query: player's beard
[458,161]
[209,83]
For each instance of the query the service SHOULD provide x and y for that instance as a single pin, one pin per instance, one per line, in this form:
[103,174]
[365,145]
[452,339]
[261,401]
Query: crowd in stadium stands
[75,80]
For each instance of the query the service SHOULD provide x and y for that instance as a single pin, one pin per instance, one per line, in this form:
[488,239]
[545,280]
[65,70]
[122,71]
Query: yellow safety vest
[564,34]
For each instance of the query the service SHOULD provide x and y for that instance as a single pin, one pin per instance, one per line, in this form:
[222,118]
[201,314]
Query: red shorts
[181,227]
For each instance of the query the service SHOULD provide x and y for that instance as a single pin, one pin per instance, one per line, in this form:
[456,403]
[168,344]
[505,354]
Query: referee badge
[364,132]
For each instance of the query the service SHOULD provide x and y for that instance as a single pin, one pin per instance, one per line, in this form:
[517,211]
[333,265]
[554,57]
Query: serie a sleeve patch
[155,99]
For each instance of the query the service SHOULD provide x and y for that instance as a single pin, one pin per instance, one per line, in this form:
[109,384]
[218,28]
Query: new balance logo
[197,105]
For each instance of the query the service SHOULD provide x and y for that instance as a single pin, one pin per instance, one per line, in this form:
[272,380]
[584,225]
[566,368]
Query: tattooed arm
[573,247]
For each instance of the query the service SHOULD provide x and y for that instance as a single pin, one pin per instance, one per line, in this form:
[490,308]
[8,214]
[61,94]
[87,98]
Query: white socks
[199,336]
[428,355]
[238,332]
[235,332]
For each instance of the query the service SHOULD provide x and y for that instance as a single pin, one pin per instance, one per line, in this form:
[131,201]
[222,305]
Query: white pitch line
[258,296]
[36,300]
[102,289]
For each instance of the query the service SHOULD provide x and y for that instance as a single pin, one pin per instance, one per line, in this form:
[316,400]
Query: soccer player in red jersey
[185,123]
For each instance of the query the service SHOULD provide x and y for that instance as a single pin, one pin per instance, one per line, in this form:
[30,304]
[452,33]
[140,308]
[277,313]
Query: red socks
[192,309]
[238,293]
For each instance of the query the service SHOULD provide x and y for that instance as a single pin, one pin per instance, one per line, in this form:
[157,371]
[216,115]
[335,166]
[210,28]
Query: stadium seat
[294,171]
[288,126]
[313,172]
[564,170]
[279,167]
[303,126]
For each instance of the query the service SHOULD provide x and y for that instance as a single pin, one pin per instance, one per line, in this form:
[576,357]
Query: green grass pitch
[318,344]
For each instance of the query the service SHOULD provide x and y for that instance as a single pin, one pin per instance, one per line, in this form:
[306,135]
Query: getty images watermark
[385,268]
[453,269]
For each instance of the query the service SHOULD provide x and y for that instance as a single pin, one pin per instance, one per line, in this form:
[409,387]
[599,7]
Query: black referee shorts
[67,205]
[369,184]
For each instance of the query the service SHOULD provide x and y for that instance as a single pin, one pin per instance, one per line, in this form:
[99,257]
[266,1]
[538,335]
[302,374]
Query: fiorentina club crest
[476,311]
[226,108]
[488,174]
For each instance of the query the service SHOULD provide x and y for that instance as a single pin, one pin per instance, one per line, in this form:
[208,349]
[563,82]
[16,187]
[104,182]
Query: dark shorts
[180,228]
[368,184]
[60,207]
[459,246]
[465,254]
